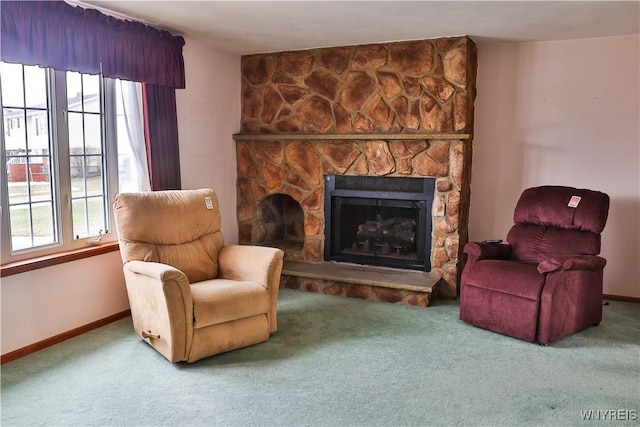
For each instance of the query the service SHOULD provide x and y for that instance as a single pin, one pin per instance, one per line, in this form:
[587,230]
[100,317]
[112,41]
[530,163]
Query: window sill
[55,259]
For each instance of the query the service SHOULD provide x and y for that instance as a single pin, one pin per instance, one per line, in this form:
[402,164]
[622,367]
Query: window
[61,166]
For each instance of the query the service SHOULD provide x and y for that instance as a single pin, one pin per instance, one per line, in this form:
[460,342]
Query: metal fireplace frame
[408,192]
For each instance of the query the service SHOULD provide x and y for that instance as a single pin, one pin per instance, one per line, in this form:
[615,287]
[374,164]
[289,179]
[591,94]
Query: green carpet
[338,361]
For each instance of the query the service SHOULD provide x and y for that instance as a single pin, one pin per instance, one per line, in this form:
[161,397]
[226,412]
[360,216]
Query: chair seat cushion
[509,277]
[220,300]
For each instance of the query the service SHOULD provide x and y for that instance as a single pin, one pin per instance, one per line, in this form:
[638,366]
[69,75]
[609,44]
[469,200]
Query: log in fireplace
[383,221]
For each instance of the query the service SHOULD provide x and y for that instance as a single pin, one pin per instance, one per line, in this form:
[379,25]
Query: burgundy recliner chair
[546,281]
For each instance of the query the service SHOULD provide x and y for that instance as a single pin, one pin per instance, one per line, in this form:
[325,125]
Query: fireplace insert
[383,221]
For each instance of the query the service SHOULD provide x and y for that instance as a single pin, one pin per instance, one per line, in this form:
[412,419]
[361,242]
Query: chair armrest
[255,263]
[158,277]
[577,262]
[161,307]
[485,250]
[155,270]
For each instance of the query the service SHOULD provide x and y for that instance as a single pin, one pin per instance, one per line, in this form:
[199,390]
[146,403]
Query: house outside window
[60,169]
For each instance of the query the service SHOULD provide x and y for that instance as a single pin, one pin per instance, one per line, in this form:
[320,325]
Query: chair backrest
[180,228]
[558,221]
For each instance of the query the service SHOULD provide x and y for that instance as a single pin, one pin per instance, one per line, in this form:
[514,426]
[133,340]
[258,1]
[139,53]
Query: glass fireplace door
[378,232]
[377,226]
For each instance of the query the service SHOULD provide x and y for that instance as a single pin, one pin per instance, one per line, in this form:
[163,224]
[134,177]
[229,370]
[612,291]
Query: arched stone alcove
[280,223]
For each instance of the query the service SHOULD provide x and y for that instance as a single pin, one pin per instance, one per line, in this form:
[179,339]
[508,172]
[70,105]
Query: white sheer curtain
[132,153]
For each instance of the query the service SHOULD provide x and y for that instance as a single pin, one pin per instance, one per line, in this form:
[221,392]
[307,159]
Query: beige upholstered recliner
[191,296]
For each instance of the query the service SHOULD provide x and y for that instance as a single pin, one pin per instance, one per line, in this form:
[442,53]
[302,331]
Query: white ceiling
[245,27]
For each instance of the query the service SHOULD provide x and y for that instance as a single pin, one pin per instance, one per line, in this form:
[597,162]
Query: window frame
[61,187]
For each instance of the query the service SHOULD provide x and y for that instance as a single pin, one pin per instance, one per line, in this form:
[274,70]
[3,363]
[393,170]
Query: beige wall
[47,302]
[561,113]
[208,116]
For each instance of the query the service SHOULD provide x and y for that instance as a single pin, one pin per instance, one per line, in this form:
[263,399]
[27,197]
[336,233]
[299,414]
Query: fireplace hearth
[379,220]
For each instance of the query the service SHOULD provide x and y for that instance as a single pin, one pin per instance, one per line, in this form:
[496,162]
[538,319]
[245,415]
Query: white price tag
[208,202]
[574,202]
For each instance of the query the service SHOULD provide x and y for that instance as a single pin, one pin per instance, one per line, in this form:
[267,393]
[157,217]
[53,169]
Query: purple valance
[58,35]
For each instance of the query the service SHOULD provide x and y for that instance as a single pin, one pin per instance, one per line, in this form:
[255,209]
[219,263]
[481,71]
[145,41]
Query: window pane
[92,134]
[74,91]
[21,236]
[97,224]
[89,205]
[93,165]
[88,217]
[86,154]
[31,225]
[37,131]
[38,127]
[76,134]
[38,171]
[79,210]
[36,89]
[12,85]
[91,93]
[31,202]
[39,187]
[78,183]
[17,176]
[15,139]
[91,184]
[77,167]
[43,232]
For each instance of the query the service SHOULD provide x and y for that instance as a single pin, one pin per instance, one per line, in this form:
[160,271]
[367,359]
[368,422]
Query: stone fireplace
[395,111]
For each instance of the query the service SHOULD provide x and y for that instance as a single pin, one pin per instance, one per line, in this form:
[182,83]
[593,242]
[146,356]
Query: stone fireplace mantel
[401,109]
[346,136]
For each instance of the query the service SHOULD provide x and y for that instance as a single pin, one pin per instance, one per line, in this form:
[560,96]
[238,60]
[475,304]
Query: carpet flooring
[339,361]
